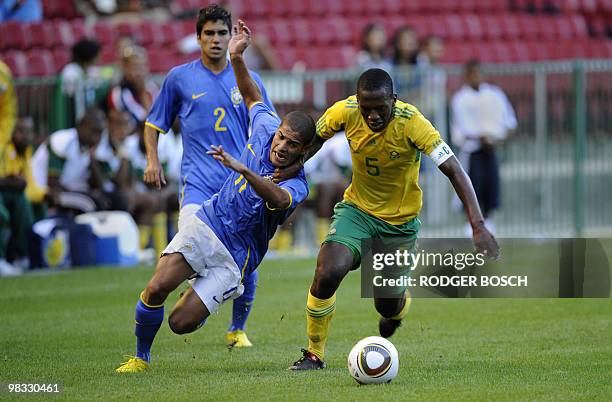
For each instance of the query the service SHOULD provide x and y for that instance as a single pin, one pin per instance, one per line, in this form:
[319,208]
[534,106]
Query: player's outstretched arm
[483,239]
[241,39]
[154,173]
[275,196]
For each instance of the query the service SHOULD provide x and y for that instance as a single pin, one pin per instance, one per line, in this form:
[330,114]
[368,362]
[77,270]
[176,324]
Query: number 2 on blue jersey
[221,113]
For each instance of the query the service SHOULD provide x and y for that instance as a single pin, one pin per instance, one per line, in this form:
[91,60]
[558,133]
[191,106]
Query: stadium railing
[556,172]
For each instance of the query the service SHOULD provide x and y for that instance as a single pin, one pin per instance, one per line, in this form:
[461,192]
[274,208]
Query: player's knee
[328,276]
[180,324]
[156,291]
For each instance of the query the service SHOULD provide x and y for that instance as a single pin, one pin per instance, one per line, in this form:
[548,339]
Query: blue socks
[148,321]
[243,304]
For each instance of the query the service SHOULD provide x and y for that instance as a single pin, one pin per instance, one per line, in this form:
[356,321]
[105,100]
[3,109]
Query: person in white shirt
[481,119]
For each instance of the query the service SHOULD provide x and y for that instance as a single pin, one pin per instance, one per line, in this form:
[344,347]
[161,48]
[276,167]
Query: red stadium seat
[473,27]
[390,8]
[300,31]
[69,32]
[454,24]
[63,9]
[17,62]
[579,25]
[285,56]
[104,33]
[41,63]
[150,33]
[465,6]
[510,26]
[61,57]
[528,27]
[14,36]
[491,27]
[38,37]
[547,29]
[108,55]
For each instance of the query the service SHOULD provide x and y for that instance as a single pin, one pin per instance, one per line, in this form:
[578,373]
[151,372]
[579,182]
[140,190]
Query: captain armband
[441,153]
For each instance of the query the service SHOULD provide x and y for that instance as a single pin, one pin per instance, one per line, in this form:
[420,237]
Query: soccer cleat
[308,361]
[133,365]
[387,326]
[238,339]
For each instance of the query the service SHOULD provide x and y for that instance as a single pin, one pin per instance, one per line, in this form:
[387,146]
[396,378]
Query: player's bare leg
[171,271]
[334,262]
[188,314]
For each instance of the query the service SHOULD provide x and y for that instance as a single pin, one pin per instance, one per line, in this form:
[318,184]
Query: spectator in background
[432,50]
[135,95]
[8,104]
[405,46]
[482,118]
[75,85]
[405,50]
[81,160]
[373,45]
[431,81]
[83,65]
[17,190]
[20,11]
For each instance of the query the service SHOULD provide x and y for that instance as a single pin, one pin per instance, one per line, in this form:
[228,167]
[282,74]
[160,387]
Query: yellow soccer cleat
[238,339]
[133,365]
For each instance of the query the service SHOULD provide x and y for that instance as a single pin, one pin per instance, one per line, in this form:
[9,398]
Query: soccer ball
[373,360]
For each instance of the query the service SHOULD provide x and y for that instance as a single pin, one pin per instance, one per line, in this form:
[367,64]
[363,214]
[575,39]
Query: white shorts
[218,277]
[186,213]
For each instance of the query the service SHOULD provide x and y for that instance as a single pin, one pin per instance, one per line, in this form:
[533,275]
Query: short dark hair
[375,79]
[471,65]
[301,123]
[213,12]
[92,115]
[85,51]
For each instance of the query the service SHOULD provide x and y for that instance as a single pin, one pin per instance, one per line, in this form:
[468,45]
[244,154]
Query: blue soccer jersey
[240,218]
[211,112]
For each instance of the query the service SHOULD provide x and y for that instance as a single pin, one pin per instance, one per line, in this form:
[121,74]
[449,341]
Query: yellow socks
[319,313]
[145,235]
[405,309]
[282,240]
[160,232]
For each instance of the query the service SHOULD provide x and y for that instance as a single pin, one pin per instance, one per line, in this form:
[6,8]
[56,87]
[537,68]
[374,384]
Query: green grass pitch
[73,328]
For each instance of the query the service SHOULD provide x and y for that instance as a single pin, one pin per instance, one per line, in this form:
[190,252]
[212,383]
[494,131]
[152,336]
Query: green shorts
[351,226]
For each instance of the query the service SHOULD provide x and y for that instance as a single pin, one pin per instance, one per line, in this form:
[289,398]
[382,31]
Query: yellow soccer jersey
[13,164]
[385,164]
[8,104]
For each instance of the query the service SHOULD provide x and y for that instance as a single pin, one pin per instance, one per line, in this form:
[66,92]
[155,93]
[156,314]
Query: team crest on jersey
[268,177]
[393,155]
[236,96]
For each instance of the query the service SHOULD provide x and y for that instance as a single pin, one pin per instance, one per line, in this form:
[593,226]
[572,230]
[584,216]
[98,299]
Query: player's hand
[287,172]
[226,159]
[154,175]
[241,38]
[485,242]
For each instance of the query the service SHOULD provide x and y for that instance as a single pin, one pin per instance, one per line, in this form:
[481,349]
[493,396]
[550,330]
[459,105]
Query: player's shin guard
[148,320]
[160,232]
[404,309]
[319,313]
[243,304]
